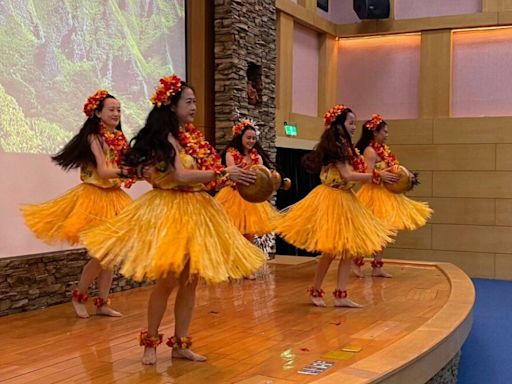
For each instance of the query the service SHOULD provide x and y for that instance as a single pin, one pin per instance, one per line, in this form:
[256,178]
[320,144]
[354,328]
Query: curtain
[289,163]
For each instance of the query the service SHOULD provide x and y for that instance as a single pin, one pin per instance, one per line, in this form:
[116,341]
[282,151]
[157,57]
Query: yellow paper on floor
[338,355]
[351,348]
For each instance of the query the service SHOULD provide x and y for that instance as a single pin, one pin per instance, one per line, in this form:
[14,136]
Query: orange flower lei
[239,127]
[358,163]
[93,101]
[240,159]
[169,86]
[333,113]
[116,141]
[385,154]
[193,143]
[374,122]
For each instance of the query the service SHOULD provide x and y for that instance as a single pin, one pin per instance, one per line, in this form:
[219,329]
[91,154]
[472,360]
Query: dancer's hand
[389,177]
[240,175]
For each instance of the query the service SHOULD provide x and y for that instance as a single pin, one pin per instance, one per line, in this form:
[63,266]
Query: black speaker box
[372,9]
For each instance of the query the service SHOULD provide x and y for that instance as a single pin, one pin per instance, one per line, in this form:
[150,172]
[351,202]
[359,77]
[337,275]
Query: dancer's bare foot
[187,354]
[356,266]
[80,309]
[149,356]
[318,301]
[316,296]
[105,310]
[250,277]
[150,343]
[346,302]
[356,269]
[379,272]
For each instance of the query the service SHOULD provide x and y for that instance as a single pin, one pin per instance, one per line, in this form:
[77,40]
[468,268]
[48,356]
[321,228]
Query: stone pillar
[245,46]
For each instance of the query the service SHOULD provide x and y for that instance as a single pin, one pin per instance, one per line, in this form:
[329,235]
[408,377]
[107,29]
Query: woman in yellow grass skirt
[177,232]
[397,211]
[97,150]
[330,219]
[243,151]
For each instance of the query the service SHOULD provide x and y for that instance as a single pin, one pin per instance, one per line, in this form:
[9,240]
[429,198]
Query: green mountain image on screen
[57,53]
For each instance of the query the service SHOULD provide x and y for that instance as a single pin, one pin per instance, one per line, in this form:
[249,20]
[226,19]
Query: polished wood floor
[260,331]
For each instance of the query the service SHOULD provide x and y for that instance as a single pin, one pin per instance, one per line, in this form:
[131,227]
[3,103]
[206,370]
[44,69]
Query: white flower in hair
[242,123]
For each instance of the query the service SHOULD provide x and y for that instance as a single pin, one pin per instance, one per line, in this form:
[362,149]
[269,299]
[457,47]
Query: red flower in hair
[169,86]
[374,122]
[94,101]
[333,113]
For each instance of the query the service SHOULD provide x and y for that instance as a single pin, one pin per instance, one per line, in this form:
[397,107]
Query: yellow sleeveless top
[331,177]
[380,165]
[165,179]
[89,173]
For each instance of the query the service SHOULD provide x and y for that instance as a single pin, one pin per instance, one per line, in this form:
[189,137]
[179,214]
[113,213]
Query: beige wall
[465,168]
[465,164]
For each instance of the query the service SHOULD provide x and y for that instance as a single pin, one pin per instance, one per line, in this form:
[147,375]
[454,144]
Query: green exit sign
[290,129]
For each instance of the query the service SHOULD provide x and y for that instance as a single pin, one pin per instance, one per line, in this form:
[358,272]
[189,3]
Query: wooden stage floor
[261,331]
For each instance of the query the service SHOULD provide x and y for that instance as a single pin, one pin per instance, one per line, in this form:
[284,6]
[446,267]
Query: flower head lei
[169,86]
[375,121]
[333,113]
[94,101]
[240,126]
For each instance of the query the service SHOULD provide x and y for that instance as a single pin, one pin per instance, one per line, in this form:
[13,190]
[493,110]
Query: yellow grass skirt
[334,222]
[397,211]
[79,209]
[249,218]
[163,229]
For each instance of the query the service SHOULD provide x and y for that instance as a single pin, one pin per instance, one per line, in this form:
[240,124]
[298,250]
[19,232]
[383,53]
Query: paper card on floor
[310,370]
[322,364]
[316,367]
[305,371]
[339,355]
[351,348]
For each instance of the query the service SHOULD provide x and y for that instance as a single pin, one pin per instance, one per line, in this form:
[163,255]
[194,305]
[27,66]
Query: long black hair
[367,135]
[151,144]
[332,146]
[236,143]
[77,152]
